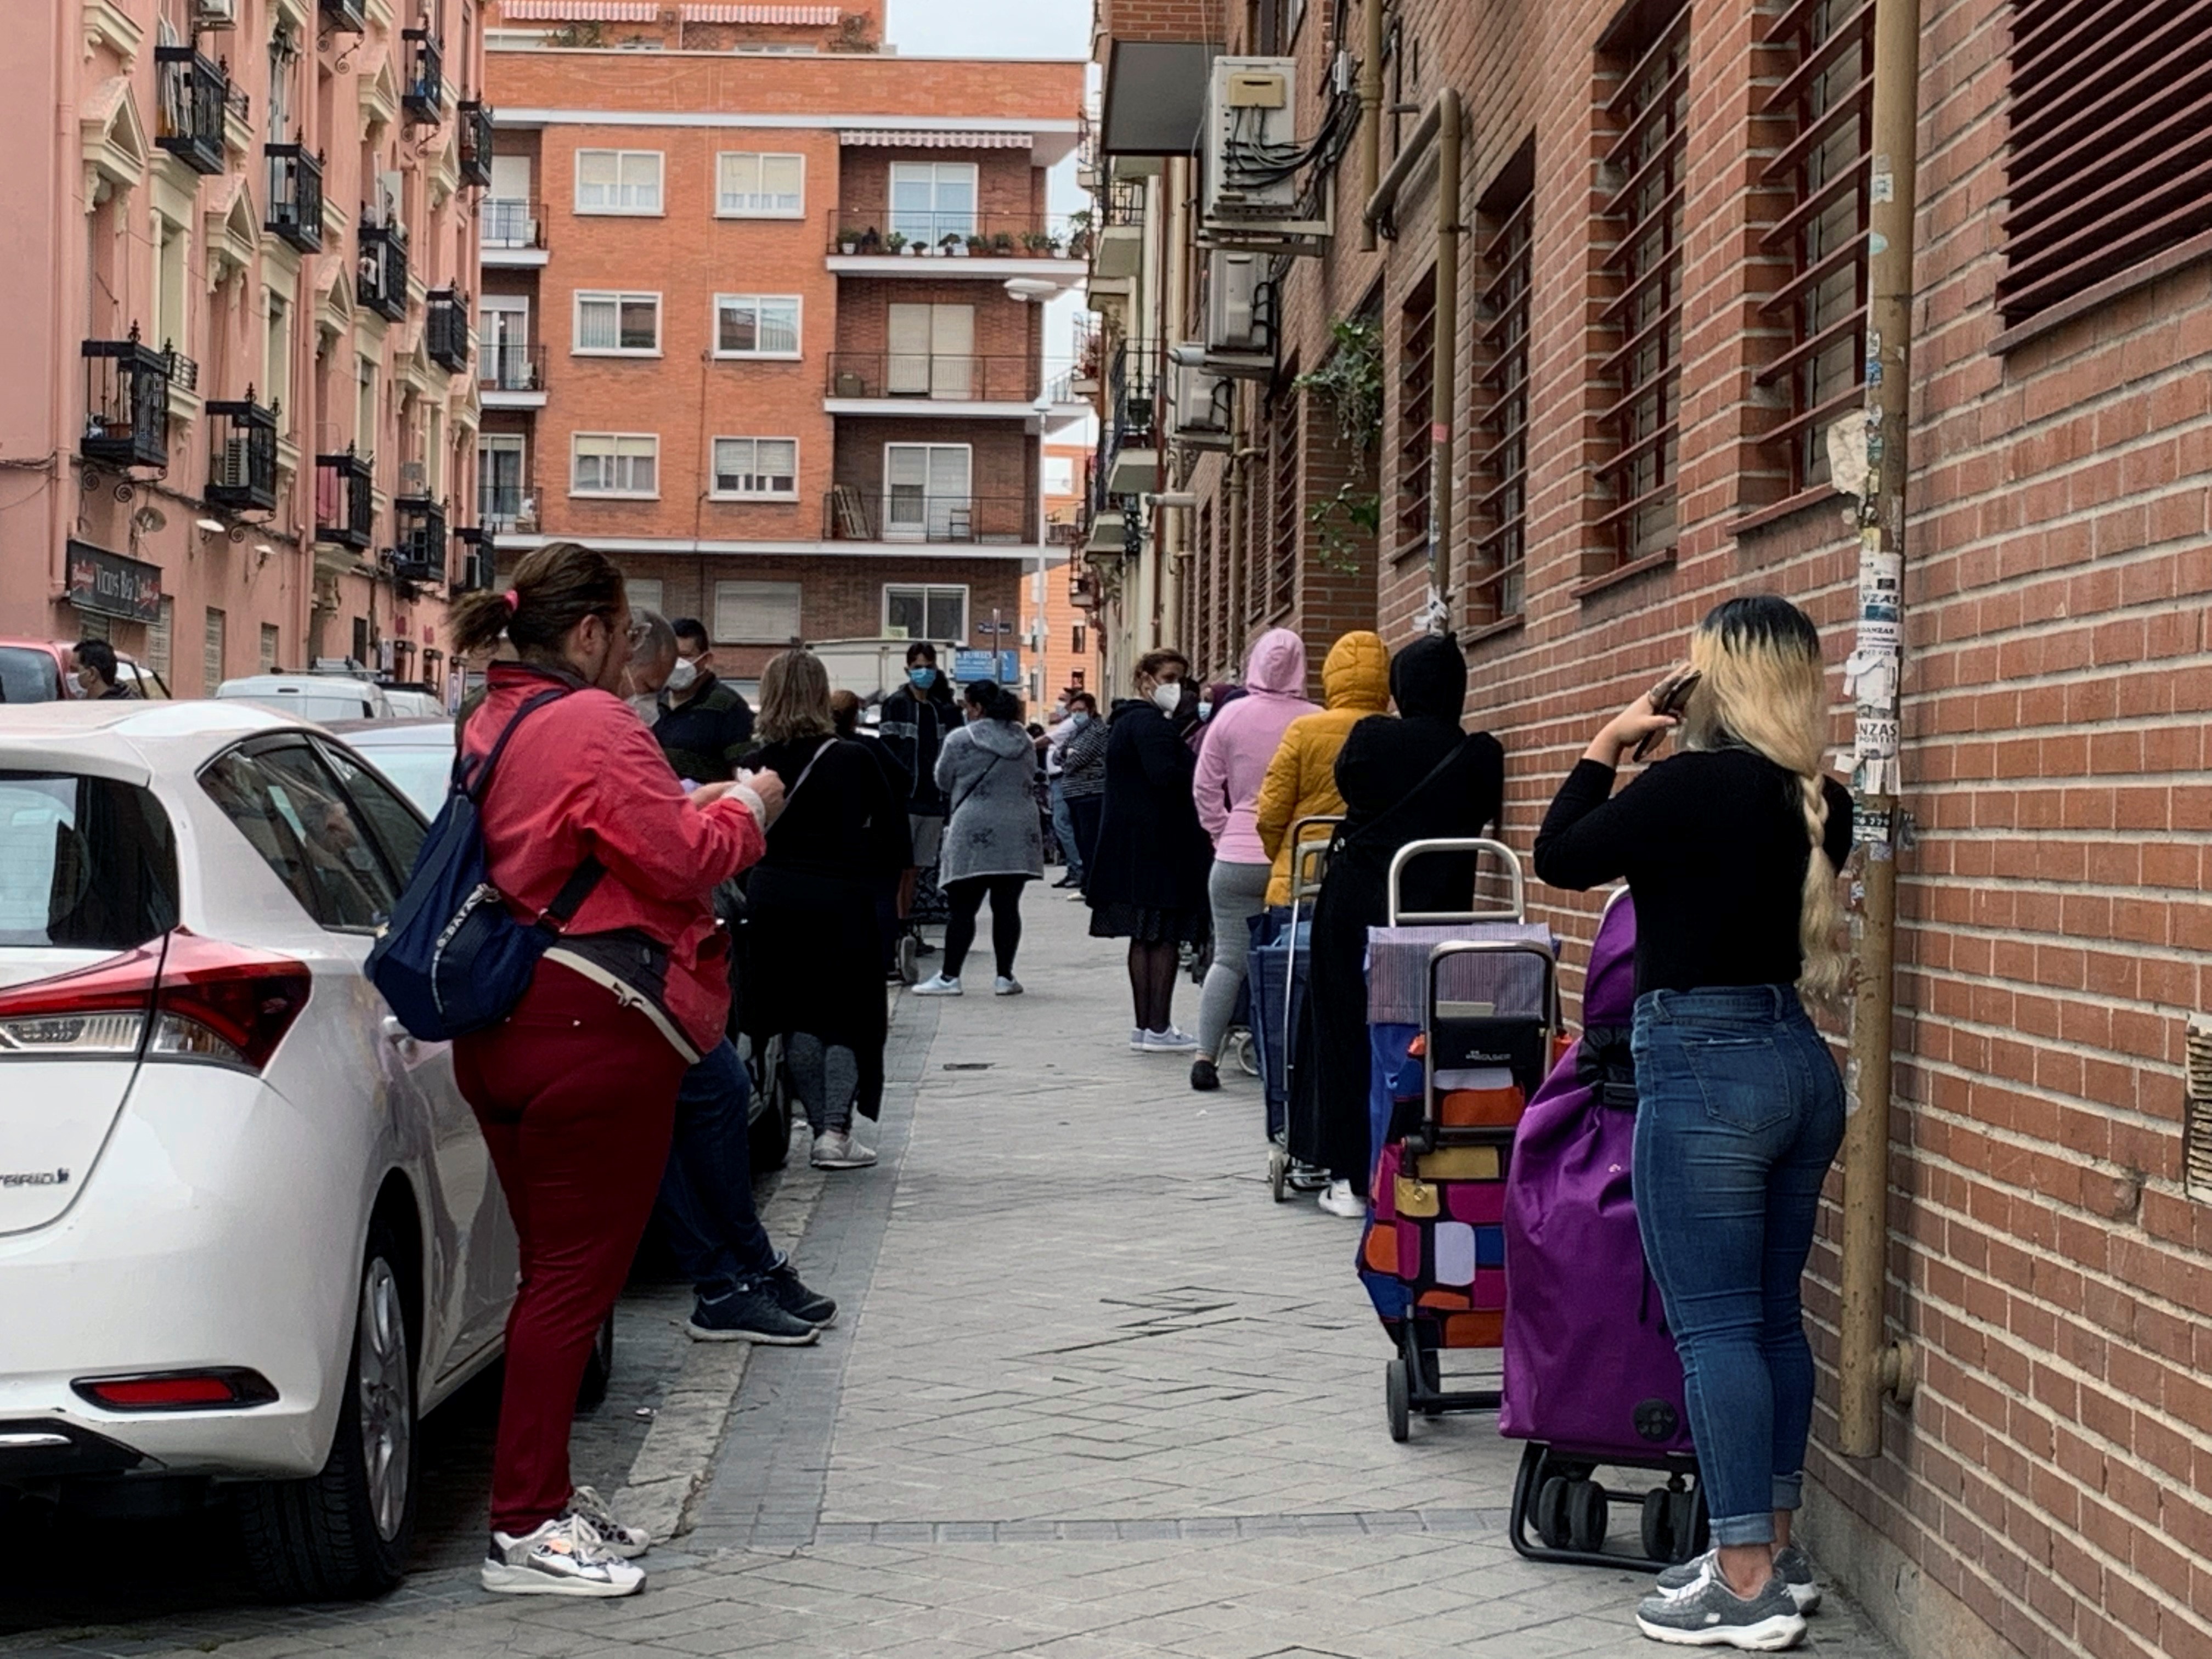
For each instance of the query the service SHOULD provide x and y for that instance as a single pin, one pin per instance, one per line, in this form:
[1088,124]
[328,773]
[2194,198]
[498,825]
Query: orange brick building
[761,314]
[1661,304]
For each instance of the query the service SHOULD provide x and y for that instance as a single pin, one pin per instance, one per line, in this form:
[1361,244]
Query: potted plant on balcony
[896,243]
[1002,244]
[1078,234]
[979,246]
[952,243]
[848,240]
[1040,244]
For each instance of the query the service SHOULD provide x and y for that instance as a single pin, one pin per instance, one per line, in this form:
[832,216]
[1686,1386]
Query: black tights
[966,898]
[1151,982]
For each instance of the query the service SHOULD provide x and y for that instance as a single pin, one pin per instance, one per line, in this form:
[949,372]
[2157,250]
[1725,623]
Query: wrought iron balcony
[242,458]
[475,142]
[345,499]
[418,555]
[506,222]
[478,560]
[511,366]
[922,375]
[851,512]
[381,285]
[191,91]
[296,196]
[126,404]
[445,330]
[425,90]
[348,16]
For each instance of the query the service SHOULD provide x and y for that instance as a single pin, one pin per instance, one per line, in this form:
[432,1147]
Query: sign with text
[1004,666]
[110,585]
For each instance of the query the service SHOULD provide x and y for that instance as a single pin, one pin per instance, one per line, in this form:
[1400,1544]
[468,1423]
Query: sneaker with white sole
[1306,1178]
[1005,986]
[1338,1199]
[1169,1042]
[628,1542]
[564,1556]
[937,985]
[748,1313]
[1707,1614]
[833,1150]
[1792,1563]
[1136,1039]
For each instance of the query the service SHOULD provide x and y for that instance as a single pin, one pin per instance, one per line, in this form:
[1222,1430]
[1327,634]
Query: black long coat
[1151,852]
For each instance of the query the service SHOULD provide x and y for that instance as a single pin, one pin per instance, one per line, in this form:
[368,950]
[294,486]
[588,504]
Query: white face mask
[646,708]
[681,676]
[1205,710]
[1168,696]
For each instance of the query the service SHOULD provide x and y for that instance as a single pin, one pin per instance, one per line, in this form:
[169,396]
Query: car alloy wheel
[387,1417]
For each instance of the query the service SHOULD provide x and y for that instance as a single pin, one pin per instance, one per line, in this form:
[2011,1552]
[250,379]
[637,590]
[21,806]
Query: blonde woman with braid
[1731,847]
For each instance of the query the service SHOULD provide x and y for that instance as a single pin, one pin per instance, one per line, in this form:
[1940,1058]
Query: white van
[316,697]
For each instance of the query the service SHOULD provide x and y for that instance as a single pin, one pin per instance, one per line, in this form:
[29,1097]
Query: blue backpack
[452,960]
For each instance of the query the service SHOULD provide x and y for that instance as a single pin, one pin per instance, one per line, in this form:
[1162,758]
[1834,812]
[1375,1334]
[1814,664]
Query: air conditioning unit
[1239,299]
[1205,401]
[234,464]
[215,14]
[1252,156]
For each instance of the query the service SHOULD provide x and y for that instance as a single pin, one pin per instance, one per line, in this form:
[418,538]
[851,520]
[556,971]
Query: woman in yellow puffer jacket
[1301,780]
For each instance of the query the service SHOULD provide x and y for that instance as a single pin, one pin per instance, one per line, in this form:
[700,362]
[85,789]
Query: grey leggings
[825,1076]
[1239,892]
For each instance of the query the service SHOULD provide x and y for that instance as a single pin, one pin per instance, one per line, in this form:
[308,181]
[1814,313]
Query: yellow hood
[1357,674]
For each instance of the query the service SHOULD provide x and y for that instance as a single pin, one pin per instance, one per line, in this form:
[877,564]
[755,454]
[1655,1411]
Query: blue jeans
[706,1203]
[1739,1114]
[1063,830]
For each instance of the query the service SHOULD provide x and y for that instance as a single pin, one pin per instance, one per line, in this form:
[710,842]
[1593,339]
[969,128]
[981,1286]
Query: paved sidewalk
[1094,1397]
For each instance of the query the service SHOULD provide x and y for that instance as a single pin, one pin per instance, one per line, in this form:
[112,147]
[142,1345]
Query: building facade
[1606,383]
[763,313]
[243,436]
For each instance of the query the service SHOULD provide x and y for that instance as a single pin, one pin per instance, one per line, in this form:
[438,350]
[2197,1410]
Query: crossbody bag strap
[1450,760]
[806,771]
[477,781]
[586,876]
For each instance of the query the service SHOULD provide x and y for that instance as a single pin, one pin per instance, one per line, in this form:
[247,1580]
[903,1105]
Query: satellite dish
[150,520]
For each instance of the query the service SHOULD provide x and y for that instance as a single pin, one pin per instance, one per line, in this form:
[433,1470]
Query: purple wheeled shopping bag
[1589,1364]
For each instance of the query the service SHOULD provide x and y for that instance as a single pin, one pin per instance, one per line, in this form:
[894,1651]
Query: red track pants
[576,1097]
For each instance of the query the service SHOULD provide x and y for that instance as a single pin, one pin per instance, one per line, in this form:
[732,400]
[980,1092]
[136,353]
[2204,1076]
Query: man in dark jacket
[705,726]
[97,674]
[916,717]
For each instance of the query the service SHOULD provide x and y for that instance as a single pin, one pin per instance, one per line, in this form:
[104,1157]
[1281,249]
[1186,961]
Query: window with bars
[1644,101]
[1495,586]
[1287,517]
[1829,98]
[2110,159]
[1417,379]
[1208,583]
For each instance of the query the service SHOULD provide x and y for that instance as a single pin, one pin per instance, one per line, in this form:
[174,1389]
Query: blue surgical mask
[921,679]
[1205,710]
[1080,717]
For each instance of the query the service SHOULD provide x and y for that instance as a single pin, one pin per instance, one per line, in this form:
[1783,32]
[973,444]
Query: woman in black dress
[1147,882]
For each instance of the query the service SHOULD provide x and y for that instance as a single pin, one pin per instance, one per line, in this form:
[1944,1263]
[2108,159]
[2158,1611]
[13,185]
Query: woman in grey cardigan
[993,841]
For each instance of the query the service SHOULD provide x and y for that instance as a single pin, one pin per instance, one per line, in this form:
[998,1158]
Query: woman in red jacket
[576,1090]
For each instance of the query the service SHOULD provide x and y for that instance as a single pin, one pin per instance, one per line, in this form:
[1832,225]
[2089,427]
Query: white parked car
[249,1231]
[312,697]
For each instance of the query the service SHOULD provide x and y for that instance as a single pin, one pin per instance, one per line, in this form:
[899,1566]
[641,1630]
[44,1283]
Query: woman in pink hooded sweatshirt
[1240,740]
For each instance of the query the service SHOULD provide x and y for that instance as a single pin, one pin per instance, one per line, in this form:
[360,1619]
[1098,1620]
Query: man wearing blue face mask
[916,717]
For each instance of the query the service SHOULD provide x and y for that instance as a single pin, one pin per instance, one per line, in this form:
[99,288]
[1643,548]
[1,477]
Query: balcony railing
[348,16]
[1123,200]
[242,456]
[511,366]
[445,329]
[1131,402]
[126,404]
[503,506]
[425,90]
[505,222]
[924,375]
[851,512]
[382,282]
[191,91]
[345,499]
[418,554]
[296,196]
[475,142]
[959,233]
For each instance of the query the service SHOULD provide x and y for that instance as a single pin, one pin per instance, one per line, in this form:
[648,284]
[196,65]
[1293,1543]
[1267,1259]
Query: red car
[44,671]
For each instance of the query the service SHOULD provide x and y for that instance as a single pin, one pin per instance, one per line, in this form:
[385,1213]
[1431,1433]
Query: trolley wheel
[1394,1401]
[1247,1052]
[1659,1526]
[1586,1514]
[909,959]
[1551,1511]
[1692,1528]
[1278,1173]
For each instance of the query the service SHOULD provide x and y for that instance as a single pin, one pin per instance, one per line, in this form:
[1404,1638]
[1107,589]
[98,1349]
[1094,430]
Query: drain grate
[967,1065]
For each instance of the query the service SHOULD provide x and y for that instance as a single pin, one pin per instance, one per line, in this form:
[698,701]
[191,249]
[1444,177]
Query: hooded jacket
[914,724]
[1242,739]
[1301,779]
[986,770]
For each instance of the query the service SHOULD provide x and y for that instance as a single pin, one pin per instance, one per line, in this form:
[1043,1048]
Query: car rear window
[85,863]
[422,775]
[27,676]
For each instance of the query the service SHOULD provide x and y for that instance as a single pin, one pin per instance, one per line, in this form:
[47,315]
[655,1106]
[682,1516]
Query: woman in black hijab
[1416,776]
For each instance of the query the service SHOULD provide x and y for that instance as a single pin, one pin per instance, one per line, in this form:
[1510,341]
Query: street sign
[1004,666]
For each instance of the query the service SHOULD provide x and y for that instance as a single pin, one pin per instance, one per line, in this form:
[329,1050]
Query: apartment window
[751,185]
[757,325]
[926,493]
[618,325]
[173,284]
[758,613]
[933,200]
[276,371]
[269,647]
[1285,530]
[1501,394]
[364,413]
[1830,97]
[1075,639]
[926,613]
[1417,380]
[211,652]
[644,593]
[757,469]
[1060,475]
[933,350]
[1644,89]
[614,464]
[2110,146]
[498,481]
[617,181]
[160,632]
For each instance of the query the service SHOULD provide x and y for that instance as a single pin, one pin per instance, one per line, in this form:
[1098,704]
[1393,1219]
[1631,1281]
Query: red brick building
[1661,241]
[761,314]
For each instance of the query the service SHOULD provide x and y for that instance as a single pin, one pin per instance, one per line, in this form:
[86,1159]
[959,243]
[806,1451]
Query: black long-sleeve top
[1713,845]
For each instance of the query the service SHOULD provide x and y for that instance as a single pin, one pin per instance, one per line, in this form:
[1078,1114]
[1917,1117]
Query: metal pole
[1371,113]
[1870,1364]
[1444,381]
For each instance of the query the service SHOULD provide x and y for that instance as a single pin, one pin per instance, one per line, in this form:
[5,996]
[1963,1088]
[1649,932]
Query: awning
[917,140]
[803,16]
[1154,100]
[581,11]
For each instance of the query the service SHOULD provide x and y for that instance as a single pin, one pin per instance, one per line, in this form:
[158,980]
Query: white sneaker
[937,985]
[1338,1199]
[1136,1039]
[1169,1042]
[1005,986]
[586,1504]
[833,1150]
[563,1557]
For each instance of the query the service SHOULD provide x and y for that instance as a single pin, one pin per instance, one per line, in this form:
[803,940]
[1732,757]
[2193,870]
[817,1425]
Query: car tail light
[177,1391]
[180,996]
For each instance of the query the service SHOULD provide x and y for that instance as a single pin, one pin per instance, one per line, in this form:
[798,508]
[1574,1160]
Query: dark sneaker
[1707,1614]
[1203,1076]
[1306,1178]
[795,1299]
[1794,1565]
[750,1313]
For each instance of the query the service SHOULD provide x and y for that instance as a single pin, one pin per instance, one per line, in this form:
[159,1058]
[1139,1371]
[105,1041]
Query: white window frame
[714,470]
[759,158]
[617,298]
[645,594]
[928,590]
[798,327]
[659,208]
[796,598]
[904,533]
[936,214]
[575,455]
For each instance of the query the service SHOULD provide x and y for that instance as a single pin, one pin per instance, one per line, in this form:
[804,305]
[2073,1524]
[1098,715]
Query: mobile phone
[1670,696]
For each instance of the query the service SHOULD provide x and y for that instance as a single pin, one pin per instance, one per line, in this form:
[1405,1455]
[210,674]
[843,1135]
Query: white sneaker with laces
[937,985]
[1338,1199]
[564,1556]
[628,1542]
[833,1150]
[1005,986]
[1169,1042]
